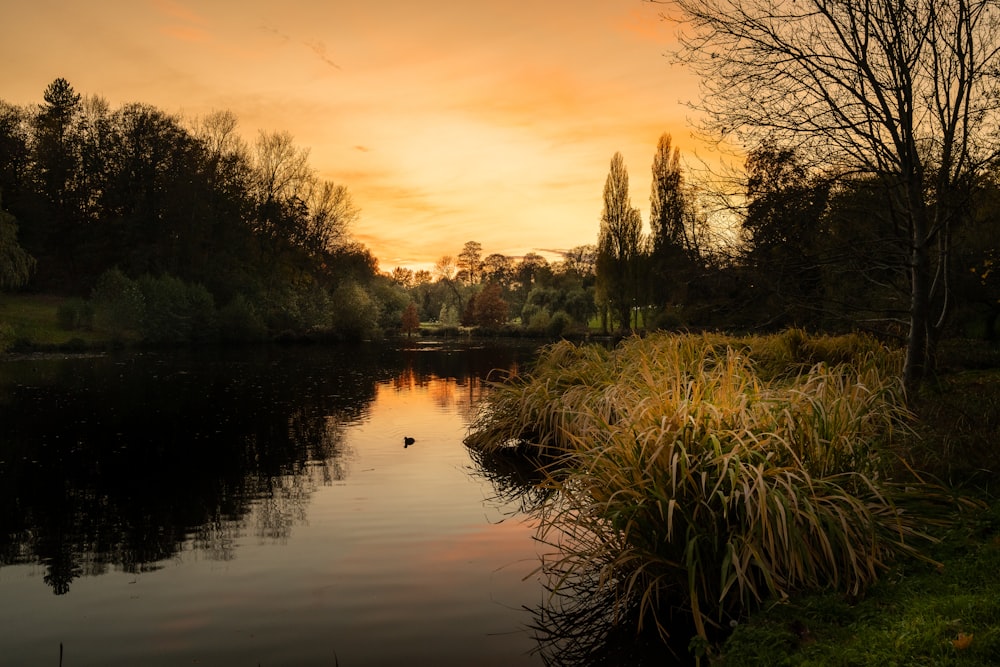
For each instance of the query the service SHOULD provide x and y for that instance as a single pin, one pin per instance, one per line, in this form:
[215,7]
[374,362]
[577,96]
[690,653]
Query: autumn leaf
[962,642]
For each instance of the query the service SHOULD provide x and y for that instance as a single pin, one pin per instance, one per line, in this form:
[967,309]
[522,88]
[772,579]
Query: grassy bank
[706,476]
[918,613]
[31,321]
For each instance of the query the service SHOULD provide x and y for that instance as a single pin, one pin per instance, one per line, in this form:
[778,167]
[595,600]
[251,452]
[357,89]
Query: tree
[470,262]
[498,269]
[15,264]
[905,91]
[782,232]
[619,243]
[491,309]
[668,220]
[411,319]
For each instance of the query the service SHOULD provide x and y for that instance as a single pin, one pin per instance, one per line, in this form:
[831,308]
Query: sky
[492,121]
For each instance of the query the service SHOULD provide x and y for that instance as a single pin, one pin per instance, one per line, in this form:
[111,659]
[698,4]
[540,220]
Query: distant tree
[402,276]
[331,212]
[669,211]
[498,269]
[492,310]
[446,270]
[411,320]
[15,154]
[581,261]
[619,245]
[56,162]
[470,262]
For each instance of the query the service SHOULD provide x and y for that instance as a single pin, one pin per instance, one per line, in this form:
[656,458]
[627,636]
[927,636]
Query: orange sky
[493,121]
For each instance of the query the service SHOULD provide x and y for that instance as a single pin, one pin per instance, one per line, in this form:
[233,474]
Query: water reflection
[123,461]
[581,622]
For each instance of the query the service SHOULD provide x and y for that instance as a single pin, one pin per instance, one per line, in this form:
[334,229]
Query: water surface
[257,506]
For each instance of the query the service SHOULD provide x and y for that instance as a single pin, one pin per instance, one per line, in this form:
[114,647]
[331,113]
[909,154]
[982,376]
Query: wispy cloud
[320,50]
[186,24]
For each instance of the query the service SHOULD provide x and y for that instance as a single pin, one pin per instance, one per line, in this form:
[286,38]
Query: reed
[703,474]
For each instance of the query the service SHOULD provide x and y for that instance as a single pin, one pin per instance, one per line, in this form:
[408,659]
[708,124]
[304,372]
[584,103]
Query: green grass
[30,319]
[916,613]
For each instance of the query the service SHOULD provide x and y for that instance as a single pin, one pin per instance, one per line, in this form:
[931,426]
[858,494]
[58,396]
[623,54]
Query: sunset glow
[492,122]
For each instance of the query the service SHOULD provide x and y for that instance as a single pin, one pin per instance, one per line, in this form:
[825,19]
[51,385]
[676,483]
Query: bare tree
[902,90]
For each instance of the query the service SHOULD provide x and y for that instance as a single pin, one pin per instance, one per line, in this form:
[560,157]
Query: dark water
[257,507]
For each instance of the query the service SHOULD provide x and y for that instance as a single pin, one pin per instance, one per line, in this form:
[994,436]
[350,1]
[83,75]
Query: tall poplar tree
[668,211]
[619,245]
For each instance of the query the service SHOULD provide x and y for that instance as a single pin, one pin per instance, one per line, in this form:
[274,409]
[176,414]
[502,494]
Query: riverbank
[918,613]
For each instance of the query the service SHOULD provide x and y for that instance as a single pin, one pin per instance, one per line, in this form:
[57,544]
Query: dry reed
[707,473]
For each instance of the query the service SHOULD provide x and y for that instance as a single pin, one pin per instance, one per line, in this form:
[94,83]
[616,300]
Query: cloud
[185,23]
[320,50]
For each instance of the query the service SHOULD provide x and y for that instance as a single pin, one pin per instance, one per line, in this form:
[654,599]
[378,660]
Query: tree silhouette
[899,90]
[619,244]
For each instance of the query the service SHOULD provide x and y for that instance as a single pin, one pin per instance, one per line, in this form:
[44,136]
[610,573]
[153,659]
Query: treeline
[179,217]
[790,245]
[184,231]
[504,294]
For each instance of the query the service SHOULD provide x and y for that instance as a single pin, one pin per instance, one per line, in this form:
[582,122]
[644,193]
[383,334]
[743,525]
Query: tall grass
[703,474]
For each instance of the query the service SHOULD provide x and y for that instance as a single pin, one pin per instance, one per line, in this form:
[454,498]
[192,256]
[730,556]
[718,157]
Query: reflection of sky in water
[385,556]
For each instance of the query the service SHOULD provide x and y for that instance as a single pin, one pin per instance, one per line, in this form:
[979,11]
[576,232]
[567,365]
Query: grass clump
[701,475]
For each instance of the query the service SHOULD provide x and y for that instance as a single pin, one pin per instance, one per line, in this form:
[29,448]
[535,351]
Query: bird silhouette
[407,441]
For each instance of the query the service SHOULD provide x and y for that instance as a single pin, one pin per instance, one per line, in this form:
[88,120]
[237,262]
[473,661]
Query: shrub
[118,303]
[355,313]
[240,322]
[539,321]
[175,311]
[559,323]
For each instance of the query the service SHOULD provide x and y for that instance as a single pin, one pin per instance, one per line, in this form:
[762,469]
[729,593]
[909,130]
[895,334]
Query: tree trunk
[917,341]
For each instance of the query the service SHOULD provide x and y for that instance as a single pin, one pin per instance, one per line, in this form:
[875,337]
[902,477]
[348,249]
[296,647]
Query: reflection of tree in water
[123,463]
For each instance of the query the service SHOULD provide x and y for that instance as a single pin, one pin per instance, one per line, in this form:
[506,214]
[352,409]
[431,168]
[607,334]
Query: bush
[240,322]
[355,313]
[559,323]
[118,303]
[539,321]
[175,311]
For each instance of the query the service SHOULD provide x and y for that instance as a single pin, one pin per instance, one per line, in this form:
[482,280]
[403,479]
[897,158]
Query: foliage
[118,302]
[7,336]
[176,312]
[95,188]
[410,322]
[15,264]
[619,243]
[708,473]
[355,315]
[239,321]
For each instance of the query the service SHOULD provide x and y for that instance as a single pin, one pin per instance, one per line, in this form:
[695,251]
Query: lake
[259,506]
